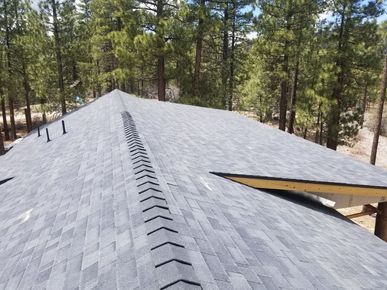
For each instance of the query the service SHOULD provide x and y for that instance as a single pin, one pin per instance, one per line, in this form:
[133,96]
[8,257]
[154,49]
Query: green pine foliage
[311,65]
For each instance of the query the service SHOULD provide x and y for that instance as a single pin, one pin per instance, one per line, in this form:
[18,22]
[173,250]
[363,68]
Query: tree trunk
[161,82]
[321,130]
[284,91]
[2,149]
[74,71]
[225,67]
[3,108]
[26,84]
[381,221]
[381,217]
[161,87]
[293,100]
[378,126]
[99,88]
[5,122]
[27,99]
[232,56]
[333,127]
[199,48]
[305,133]
[9,69]
[44,117]
[58,53]
[12,116]
[316,137]
[334,116]
[364,105]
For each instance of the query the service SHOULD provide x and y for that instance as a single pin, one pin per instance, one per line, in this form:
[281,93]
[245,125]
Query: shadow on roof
[5,180]
[302,200]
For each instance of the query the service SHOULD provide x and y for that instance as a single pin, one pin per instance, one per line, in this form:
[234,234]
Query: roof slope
[125,200]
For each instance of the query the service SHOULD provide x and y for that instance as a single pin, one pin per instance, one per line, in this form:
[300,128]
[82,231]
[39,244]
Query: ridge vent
[155,209]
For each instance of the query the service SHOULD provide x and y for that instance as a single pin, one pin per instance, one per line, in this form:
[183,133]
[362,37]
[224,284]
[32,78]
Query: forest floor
[21,129]
[37,119]
[361,150]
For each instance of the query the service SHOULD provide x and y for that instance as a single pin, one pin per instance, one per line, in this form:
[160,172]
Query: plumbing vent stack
[63,127]
[48,135]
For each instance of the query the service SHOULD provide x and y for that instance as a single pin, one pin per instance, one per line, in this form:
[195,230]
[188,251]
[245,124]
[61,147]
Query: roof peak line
[166,247]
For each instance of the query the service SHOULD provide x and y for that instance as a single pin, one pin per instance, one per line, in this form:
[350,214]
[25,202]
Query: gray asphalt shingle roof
[126,200]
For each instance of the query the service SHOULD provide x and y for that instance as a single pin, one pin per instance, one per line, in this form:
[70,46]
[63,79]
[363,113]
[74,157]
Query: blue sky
[256,10]
[381,18]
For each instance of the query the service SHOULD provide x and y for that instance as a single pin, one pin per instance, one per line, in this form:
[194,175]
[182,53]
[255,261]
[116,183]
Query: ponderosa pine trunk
[293,99]
[10,88]
[3,111]
[283,104]
[161,81]
[364,105]
[5,122]
[320,141]
[381,221]
[42,104]
[232,56]
[334,115]
[161,84]
[317,135]
[12,116]
[58,54]
[99,87]
[26,83]
[381,217]
[2,149]
[378,126]
[225,68]
[199,48]
[27,99]
[284,91]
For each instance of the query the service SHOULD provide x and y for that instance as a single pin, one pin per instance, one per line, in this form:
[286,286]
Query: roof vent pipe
[48,136]
[63,127]
[39,131]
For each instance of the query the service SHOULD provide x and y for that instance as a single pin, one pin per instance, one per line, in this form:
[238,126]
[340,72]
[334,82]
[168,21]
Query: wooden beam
[367,210]
[264,182]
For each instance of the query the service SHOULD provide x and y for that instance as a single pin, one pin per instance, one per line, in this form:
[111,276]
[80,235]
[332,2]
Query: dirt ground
[20,120]
[362,150]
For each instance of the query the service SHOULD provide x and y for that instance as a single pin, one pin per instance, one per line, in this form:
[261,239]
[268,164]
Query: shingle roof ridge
[167,249]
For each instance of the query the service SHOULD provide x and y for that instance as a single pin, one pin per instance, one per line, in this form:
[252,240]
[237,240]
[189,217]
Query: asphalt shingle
[126,200]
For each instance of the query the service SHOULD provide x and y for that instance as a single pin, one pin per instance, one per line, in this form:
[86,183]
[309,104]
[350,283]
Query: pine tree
[51,10]
[351,17]
[281,27]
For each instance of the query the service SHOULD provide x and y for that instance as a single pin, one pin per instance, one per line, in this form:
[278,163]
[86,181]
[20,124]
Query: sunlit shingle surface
[125,200]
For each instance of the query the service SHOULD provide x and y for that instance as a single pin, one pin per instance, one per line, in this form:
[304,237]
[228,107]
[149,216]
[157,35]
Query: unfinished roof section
[342,194]
[126,200]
